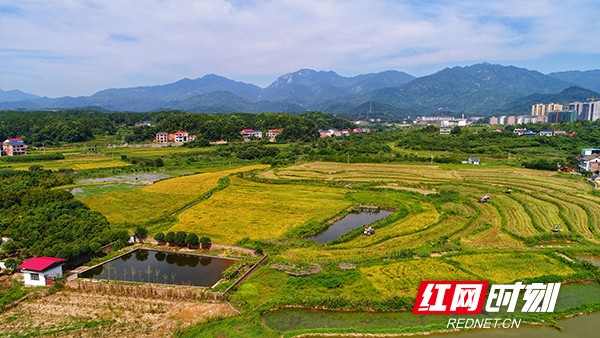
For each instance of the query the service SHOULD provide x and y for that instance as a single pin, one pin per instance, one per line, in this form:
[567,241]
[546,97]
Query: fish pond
[350,222]
[151,266]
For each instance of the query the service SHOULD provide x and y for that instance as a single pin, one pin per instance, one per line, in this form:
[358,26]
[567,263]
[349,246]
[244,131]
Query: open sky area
[72,48]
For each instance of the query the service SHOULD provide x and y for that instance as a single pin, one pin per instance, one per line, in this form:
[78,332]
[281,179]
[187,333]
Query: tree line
[52,128]
[41,220]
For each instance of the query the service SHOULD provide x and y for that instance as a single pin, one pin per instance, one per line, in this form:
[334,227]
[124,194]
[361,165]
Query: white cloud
[67,47]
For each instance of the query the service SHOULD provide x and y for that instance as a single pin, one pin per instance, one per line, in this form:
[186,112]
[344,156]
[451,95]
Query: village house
[14,147]
[590,163]
[590,151]
[146,123]
[41,271]
[325,133]
[162,137]
[546,133]
[250,134]
[178,137]
[361,130]
[445,130]
[273,133]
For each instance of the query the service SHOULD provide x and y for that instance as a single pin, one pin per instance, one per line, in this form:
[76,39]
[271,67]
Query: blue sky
[77,47]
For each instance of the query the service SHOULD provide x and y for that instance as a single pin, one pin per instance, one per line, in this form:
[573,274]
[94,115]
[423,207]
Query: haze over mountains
[480,89]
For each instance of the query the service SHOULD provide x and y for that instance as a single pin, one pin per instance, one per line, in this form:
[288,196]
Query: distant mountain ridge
[477,89]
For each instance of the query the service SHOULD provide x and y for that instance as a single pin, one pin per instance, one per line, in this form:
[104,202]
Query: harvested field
[77,314]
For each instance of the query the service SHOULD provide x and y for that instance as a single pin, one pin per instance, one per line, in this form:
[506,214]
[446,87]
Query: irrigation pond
[161,267]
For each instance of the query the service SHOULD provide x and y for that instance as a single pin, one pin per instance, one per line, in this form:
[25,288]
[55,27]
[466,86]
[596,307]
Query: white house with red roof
[41,271]
[14,147]
[249,134]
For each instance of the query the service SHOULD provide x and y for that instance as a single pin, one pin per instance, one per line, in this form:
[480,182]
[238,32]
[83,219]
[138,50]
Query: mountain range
[479,89]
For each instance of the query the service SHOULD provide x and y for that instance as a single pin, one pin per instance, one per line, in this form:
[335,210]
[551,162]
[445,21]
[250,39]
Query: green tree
[205,242]
[141,233]
[160,237]
[180,238]
[170,237]
[192,240]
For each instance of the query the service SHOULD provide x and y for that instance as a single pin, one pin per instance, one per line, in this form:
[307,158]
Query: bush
[541,164]
[141,233]
[33,158]
[160,237]
[205,242]
[258,251]
[180,238]
[170,237]
[192,240]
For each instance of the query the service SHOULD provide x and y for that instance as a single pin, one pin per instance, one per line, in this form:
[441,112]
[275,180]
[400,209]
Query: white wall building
[41,271]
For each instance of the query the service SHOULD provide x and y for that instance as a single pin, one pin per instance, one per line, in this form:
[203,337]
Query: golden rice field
[260,211]
[509,267]
[403,278]
[155,200]
[539,199]
[439,230]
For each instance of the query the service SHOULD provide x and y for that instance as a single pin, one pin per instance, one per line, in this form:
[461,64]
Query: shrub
[170,237]
[160,237]
[180,238]
[206,242]
[192,240]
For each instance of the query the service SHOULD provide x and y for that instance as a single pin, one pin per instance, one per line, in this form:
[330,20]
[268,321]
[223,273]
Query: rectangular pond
[349,222]
[151,266]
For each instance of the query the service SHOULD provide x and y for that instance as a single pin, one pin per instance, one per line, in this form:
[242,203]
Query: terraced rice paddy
[539,200]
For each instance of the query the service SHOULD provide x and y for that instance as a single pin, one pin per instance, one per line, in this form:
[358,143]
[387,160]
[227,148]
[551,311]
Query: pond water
[149,266]
[590,258]
[302,319]
[350,222]
[131,178]
[575,327]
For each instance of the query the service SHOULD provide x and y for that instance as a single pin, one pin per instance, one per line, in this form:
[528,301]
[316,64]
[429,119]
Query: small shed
[41,271]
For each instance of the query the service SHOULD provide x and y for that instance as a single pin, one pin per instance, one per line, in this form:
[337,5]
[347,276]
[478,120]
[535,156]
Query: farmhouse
[14,147]
[162,137]
[41,271]
[180,137]
[445,130]
[273,133]
[590,163]
[249,134]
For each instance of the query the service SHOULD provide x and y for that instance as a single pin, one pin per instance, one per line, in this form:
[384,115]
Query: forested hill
[43,221]
[52,128]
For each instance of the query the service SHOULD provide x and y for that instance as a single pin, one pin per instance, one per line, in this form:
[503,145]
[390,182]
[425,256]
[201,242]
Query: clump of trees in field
[182,238]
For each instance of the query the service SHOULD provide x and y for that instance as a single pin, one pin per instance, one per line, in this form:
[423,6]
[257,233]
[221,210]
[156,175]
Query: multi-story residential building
[161,137]
[494,120]
[14,147]
[272,134]
[586,110]
[249,134]
[181,137]
[541,109]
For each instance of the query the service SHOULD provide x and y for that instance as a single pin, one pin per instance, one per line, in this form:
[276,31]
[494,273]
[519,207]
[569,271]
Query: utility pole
[348,157]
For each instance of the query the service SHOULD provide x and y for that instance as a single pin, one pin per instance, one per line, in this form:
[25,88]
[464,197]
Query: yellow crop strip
[260,211]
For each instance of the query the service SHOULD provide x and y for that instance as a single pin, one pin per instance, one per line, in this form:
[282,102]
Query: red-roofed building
[41,271]
[14,147]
